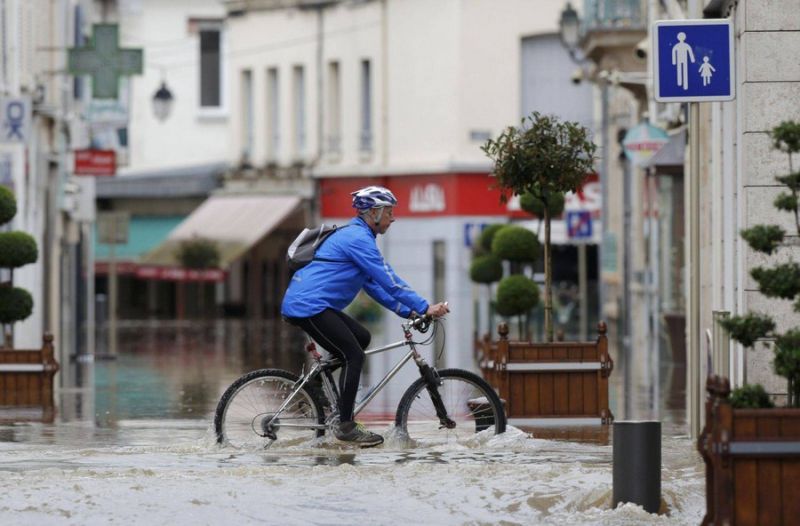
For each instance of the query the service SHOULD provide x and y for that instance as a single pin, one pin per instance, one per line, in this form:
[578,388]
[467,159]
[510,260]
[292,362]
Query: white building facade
[36,169]
[185,49]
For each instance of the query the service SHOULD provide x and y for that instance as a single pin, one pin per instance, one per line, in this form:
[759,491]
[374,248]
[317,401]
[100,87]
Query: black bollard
[637,464]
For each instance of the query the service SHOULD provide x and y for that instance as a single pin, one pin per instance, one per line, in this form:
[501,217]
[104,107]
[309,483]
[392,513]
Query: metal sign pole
[112,298]
[583,292]
[693,311]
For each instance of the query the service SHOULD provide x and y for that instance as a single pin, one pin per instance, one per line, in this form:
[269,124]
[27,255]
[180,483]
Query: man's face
[385,221]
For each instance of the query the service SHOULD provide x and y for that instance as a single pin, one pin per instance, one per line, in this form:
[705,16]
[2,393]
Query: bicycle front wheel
[471,405]
[245,415]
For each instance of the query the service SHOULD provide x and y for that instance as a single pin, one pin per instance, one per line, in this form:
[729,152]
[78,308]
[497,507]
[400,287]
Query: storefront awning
[234,222]
[144,234]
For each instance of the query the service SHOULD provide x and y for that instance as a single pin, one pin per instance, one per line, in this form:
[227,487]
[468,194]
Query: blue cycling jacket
[357,263]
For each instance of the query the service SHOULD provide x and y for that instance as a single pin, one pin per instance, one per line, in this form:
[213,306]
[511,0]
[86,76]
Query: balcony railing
[613,14]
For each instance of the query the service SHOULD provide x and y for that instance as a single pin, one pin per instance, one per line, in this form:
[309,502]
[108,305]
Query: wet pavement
[139,449]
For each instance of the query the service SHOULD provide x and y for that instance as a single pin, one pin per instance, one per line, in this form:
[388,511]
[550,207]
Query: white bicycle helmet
[373,197]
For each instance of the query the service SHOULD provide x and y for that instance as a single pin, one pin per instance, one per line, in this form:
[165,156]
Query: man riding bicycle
[347,262]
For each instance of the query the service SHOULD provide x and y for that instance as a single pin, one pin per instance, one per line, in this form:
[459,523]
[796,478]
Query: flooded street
[140,449]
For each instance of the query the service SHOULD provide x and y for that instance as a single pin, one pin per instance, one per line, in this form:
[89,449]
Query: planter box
[752,461]
[544,384]
[26,382]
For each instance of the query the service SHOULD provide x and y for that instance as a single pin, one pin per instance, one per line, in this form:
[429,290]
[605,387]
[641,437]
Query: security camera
[642,48]
[577,76]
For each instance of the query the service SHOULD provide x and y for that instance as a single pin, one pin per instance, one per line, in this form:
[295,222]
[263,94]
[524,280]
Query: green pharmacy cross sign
[105,61]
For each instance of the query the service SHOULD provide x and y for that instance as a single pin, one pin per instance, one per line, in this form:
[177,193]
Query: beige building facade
[738,169]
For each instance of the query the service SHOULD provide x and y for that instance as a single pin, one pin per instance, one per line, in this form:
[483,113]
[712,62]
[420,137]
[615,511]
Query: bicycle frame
[330,389]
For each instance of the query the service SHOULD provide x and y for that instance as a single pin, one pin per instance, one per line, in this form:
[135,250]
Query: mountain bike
[270,405]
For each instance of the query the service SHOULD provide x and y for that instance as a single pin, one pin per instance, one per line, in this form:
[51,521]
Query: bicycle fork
[432,384]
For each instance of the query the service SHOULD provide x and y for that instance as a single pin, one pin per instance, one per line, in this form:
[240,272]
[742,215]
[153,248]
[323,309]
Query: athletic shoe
[357,434]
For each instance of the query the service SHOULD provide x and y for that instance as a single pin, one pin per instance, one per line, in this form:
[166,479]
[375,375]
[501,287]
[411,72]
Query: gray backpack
[303,249]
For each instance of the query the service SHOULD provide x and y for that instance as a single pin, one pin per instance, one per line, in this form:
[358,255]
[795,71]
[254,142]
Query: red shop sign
[444,194]
[96,162]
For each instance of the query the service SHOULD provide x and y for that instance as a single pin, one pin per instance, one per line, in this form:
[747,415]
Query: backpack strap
[327,260]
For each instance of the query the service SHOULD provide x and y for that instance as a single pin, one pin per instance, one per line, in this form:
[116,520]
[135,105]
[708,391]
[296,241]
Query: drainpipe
[384,83]
[319,6]
[604,103]
[320,106]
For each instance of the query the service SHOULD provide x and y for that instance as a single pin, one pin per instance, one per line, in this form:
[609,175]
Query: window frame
[299,112]
[366,129]
[273,113]
[222,110]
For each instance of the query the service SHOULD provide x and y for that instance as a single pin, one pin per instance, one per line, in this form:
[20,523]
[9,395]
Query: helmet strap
[379,216]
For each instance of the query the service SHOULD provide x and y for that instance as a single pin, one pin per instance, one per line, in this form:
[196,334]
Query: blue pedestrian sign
[15,120]
[579,224]
[693,60]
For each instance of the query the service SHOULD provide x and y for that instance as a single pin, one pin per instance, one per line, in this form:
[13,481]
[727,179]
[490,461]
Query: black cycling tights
[344,337]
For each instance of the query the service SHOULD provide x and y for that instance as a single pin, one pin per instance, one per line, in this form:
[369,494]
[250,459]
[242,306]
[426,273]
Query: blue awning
[144,234]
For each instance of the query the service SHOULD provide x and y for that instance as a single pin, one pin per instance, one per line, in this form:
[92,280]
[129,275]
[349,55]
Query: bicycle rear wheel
[471,404]
[243,414]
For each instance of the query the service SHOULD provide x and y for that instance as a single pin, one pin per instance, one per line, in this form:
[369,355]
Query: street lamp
[569,28]
[162,102]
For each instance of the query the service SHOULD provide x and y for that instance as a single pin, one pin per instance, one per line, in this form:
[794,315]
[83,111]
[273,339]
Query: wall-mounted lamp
[569,29]
[162,102]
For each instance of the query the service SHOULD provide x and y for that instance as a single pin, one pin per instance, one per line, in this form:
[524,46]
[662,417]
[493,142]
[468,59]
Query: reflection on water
[179,371]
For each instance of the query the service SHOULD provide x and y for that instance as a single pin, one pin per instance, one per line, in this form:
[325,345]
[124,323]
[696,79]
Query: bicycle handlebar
[422,323]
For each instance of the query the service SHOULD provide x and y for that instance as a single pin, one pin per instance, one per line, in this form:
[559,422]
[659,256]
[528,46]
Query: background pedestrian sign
[15,120]
[579,224]
[693,60]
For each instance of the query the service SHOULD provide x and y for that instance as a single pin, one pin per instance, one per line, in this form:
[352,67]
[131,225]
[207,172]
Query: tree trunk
[8,338]
[548,279]
[490,310]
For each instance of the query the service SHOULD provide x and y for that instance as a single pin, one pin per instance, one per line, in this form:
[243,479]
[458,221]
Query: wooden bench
[547,384]
[26,382]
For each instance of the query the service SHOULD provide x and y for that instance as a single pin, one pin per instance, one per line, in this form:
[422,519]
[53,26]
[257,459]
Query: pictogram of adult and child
[682,54]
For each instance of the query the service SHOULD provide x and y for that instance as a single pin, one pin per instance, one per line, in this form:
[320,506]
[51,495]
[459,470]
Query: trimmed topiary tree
[535,206]
[16,250]
[544,157]
[484,242]
[780,281]
[199,253]
[516,296]
[515,244]
[486,269]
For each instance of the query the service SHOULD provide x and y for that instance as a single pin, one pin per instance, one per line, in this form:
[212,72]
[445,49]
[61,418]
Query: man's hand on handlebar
[438,310]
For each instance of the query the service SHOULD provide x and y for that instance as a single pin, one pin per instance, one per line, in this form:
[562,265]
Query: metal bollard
[637,464]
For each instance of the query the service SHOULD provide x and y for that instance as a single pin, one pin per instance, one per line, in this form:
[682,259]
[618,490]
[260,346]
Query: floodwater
[138,449]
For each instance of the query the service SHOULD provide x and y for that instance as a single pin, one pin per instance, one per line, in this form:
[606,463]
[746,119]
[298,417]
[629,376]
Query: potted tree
[16,250]
[751,450]
[26,376]
[540,161]
[544,157]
